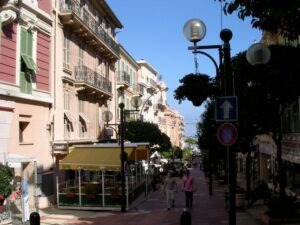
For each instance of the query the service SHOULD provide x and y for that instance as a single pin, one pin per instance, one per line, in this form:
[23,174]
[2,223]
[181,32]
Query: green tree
[212,152]
[264,92]
[191,141]
[139,131]
[187,154]
[6,176]
[276,16]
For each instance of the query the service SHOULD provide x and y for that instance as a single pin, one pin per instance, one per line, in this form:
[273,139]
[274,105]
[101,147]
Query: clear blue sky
[153,31]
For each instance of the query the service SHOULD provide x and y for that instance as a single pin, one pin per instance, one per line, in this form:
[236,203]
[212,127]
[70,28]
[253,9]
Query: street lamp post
[135,102]
[195,30]
[123,157]
[146,101]
[107,116]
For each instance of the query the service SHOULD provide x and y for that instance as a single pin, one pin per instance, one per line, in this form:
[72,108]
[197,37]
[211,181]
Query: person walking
[170,187]
[189,187]
[25,200]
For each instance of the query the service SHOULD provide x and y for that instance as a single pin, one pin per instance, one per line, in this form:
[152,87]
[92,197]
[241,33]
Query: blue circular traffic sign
[227,134]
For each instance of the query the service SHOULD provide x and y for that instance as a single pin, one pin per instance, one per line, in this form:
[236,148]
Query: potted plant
[6,176]
[240,197]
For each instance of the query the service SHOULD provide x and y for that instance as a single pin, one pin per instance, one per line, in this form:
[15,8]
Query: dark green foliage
[282,207]
[6,176]
[262,91]
[196,88]
[139,131]
[269,15]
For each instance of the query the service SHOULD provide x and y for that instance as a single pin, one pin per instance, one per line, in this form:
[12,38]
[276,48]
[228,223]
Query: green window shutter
[23,41]
[29,51]
[22,82]
[29,44]
[25,83]
[28,62]
[26,49]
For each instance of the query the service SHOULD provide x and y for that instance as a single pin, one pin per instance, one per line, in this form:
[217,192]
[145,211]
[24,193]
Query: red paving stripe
[208,210]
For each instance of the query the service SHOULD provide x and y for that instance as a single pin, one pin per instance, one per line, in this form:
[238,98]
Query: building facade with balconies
[148,81]
[155,108]
[126,75]
[84,55]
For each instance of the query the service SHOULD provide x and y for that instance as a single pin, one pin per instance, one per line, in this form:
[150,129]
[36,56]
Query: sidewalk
[207,210]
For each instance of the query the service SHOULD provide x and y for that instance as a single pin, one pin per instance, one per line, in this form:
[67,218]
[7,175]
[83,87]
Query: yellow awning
[139,153]
[94,158]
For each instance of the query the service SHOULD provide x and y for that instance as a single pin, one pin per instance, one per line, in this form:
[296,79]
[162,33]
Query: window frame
[66,53]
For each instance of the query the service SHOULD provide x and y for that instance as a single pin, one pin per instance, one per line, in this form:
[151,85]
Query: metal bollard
[185,218]
[35,218]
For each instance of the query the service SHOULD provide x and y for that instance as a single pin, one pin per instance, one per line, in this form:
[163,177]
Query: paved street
[208,210]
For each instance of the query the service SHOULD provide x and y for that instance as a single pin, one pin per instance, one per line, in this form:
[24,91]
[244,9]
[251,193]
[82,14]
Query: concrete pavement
[207,210]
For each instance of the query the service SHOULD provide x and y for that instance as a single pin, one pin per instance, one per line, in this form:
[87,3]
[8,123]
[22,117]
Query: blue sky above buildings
[153,31]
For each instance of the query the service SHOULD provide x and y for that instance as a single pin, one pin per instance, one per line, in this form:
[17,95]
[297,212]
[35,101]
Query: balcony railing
[123,77]
[90,77]
[73,7]
[153,84]
[138,89]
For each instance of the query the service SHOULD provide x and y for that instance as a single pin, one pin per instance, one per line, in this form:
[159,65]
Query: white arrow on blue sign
[226,108]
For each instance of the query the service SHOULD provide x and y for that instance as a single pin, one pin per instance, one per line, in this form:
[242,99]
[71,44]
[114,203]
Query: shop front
[95,178]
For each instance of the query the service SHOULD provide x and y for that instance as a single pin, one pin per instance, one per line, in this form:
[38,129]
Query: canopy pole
[103,190]
[79,183]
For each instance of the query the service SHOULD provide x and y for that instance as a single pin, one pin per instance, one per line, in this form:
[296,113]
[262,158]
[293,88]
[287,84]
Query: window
[28,66]
[98,65]
[82,128]
[66,101]
[66,53]
[106,70]
[24,129]
[81,106]
[67,127]
[81,62]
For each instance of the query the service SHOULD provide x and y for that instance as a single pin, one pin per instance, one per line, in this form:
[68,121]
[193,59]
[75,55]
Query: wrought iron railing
[94,26]
[83,73]
[123,77]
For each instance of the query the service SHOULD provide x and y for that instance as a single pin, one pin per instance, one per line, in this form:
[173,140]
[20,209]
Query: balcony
[152,86]
[77,19]
[89,82]
[138,89]
[123,80]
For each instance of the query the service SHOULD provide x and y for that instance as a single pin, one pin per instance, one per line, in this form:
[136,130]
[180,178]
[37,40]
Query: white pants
[170,194]
[25,205]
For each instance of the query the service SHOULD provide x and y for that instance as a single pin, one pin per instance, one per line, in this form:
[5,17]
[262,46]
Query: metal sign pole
[231,188]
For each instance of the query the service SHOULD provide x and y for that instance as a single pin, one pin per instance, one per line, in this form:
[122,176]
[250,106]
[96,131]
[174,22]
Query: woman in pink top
[188,188]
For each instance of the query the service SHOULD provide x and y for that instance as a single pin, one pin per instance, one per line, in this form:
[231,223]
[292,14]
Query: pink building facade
[25,91]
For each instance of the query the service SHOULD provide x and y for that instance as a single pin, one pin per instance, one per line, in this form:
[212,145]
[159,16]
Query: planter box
[240,200]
